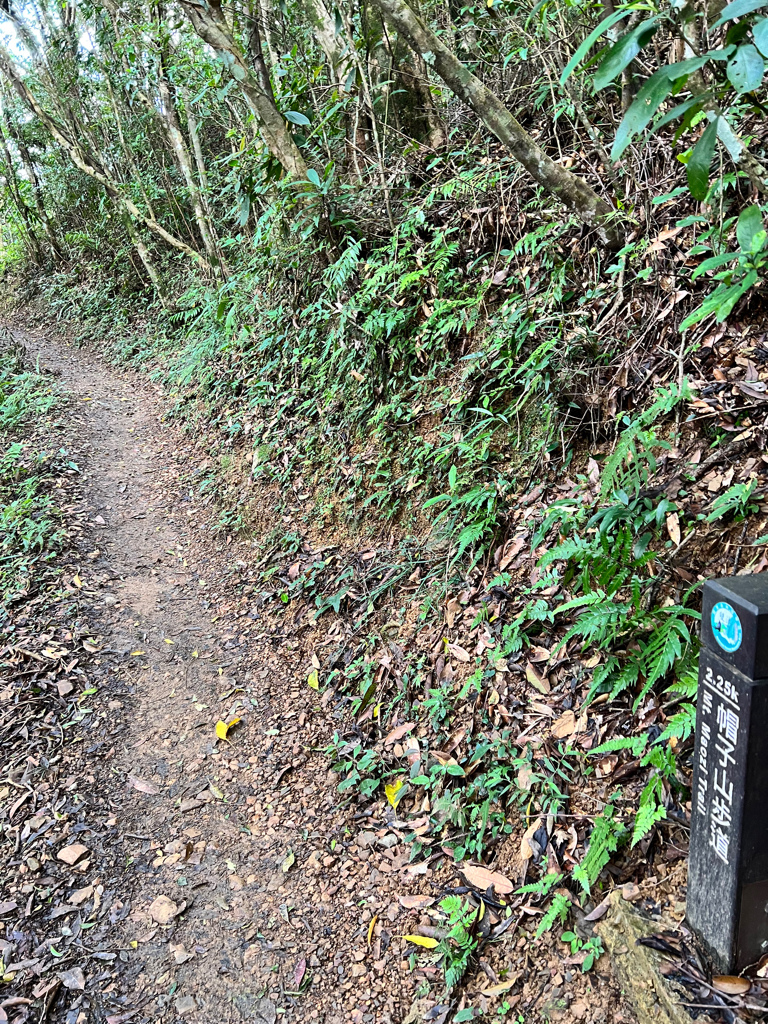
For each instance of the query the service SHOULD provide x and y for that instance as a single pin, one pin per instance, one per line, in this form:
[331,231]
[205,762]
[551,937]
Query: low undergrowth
[32,530]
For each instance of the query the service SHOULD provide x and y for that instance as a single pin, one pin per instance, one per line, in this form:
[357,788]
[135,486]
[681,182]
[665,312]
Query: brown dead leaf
[564,726]
[73,979]
[730,984]
[673,527]
[452,609]
[415,902]
[526,851]
[480,878]
[458,652]
[143,786]
[503,986]
[511,550]
[163,910]
[398,732]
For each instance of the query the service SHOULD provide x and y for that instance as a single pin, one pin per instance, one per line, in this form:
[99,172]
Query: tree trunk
[184,161]
[37,195]
[210,24]
[146,258]
[23,210]
[573,191]
[87,162]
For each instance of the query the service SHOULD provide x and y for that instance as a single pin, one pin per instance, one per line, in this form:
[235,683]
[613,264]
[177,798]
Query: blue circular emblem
[726,626]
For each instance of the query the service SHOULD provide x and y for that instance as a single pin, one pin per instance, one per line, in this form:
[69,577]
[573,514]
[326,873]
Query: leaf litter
[408,846]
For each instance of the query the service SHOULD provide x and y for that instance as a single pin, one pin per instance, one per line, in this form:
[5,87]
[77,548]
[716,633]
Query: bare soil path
[222,883]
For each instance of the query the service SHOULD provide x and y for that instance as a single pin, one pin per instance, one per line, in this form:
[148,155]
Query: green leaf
[647,102]
[738,9]
[590,41]
[746,68]
[760,35]
[734,294]
[624,52]
[314,177]
[749,227]
[295,117]
[698,166]
[675,112]
[712,263]
[729,139]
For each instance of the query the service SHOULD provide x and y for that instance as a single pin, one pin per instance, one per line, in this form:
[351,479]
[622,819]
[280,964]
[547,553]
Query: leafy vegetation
[463,309]
[31,531]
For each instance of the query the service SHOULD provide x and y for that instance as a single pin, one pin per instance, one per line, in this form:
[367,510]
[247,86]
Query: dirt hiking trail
[219,882]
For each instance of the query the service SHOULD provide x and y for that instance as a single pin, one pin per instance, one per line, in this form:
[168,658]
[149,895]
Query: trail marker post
[727,903]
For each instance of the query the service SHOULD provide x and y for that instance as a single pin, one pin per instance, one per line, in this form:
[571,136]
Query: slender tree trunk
[573,191]
[37,195]
[18,200]
[145,256]
[197,148]
[211,25]
[87,162]
[184,161]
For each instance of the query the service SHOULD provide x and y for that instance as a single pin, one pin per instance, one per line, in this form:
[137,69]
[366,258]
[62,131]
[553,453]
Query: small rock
[190,804]
[185,1004]
[81,895]
[71,854]
[366,839]
[64,687]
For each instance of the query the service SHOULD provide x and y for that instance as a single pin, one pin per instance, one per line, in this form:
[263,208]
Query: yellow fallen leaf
[195,654]
[421,940]
[77,581]
[222,728]
[135,653]
[313,680]
[503,986]
[168,641]
[541,683]
[216,791]
[392,789]
[371,926]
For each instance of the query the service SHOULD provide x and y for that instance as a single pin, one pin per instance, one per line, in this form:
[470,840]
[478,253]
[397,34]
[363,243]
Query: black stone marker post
[727,902]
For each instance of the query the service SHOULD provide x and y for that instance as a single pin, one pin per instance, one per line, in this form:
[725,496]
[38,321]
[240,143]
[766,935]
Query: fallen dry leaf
[673,527]
[415,902]
[73,979]
[398,732]
[540,683]
[143,786]
[222,728]
[480,878]
[163,910]
[459,653]
[503,986]
[564,726]
[391,790]
[731,985]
